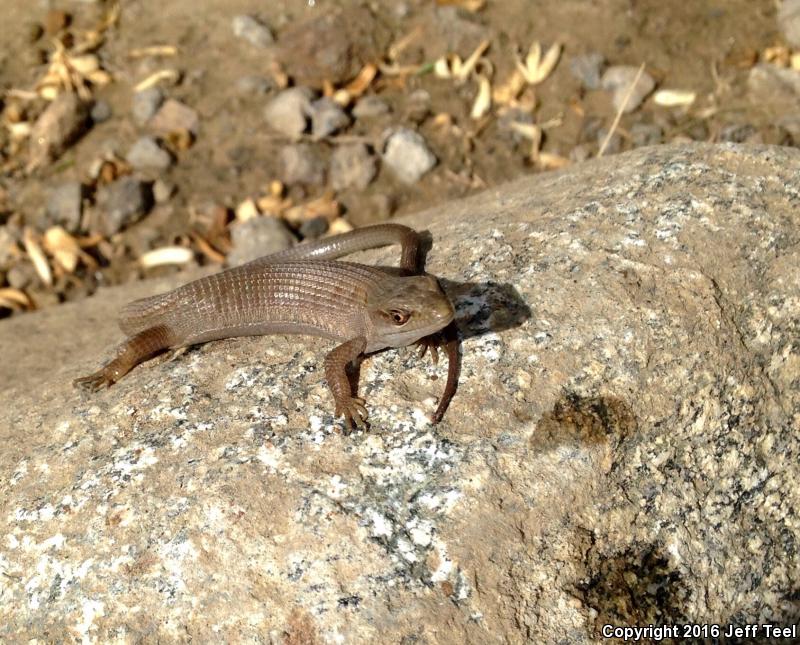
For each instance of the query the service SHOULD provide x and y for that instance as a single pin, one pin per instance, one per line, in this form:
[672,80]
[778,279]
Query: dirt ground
[706,47]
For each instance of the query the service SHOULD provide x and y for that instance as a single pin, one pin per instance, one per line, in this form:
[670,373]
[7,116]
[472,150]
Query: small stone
[21,275]
[101,111]
[769,83]
[586,69]
[249,29]
[789,21]
[175,116]
[258,237]
[123,202]
[370,107]
[302,165]
[408,155]
[146,104]
[163,191]
[64,121]
[64,206]
[288,111]
[146,153]
[313,228]
[618,79]
[352,165]
[327,117]
[253,85]
[646,134]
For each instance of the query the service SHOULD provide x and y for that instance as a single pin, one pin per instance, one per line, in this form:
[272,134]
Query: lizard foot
[94,382]
[354,413]
[429,344]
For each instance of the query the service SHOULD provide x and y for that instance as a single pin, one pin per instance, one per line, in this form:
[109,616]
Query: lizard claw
[94,382]
[354,412]
[428,344]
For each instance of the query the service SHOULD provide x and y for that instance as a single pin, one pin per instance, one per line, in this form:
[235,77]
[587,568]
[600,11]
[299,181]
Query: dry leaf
[324,206]
[37,256]
[276,188]
[207,249]
[273,205]
[19,130]
[399,46]
[339,225]
[63,247]
[530,131]
[536,68]
[452,66]
[361,83]
[470,5]
[778,55]
[550,161]
[507,92]
[166,255]
[247,210]
[483,101]
[794,61]
[169,75]
[674,98]
[14,299]
[153,50]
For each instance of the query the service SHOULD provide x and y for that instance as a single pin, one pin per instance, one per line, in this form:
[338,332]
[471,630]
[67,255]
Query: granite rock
[61,123]
[288,111]
[352,165]
[302,164]
[123,202]
[407,154]
[258,237]
[622,449]
[618,79]
[249,29]
[145,104]
[146,153]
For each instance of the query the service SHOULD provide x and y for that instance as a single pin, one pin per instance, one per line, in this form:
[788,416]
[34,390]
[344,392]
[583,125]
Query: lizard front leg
[336,362]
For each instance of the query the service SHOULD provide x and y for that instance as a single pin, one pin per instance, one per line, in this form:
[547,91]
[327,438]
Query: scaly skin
[366,309]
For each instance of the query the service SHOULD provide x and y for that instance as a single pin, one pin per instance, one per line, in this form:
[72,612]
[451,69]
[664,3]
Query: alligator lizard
[302,290]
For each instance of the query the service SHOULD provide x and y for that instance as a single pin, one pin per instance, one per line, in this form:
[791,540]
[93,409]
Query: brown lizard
[302,290]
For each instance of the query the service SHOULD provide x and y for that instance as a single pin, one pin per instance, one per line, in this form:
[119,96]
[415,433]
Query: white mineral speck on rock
[381,526]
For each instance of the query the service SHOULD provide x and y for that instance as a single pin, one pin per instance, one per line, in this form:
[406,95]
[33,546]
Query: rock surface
[622,449]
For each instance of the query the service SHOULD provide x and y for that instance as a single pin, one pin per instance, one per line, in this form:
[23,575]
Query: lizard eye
[399,317]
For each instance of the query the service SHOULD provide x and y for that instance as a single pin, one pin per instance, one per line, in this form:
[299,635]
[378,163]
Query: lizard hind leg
[134,350]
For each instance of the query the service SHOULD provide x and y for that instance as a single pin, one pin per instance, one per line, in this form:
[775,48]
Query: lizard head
[413,308]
